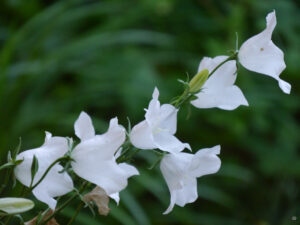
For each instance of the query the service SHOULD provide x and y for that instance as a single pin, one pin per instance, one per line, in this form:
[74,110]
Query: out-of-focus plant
[34,66]
[102,160]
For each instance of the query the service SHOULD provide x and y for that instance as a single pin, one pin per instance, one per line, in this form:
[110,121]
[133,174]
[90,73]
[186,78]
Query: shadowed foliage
[105,57]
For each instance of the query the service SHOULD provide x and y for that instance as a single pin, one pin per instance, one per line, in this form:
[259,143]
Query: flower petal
[224,76]
[172,202]
[228,98]
[55,183]
[104,173]
[168,118]
[141,136]
[116,197]
[188,193]
[168,142]
[211,63]
[153,111]
[95,160]
[205,162]
[84,128]
[130,171]
[182,186]
[261,55]
[101,146]
[219,90]
[174,168]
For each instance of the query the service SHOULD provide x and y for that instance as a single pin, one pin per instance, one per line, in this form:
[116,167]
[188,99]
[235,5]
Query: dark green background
[105,57]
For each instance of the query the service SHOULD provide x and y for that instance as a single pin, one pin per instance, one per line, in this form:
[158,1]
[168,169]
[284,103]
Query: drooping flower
[181,171]
[261,55]
[55,183]
[158,128]
[95,159]
[219,89]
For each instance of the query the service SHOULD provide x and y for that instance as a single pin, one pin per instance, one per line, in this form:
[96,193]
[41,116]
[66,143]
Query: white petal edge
[168,142]
[206,162]
[228,99]
[54,184]
[261,55]
[141,136]
[83,126]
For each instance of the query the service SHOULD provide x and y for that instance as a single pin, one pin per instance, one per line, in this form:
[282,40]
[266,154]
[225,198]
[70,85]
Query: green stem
[7,176]
[45,174]
[43,215]
[83,186]
[76,213]
[232,57]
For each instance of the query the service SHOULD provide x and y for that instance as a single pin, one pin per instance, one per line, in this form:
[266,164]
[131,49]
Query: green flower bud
[15,205]
[198,81]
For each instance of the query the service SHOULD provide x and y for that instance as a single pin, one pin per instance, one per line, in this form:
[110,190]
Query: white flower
[219,89]
[180,171]
[158,128]
[261,55]
[95,159]
[54,184]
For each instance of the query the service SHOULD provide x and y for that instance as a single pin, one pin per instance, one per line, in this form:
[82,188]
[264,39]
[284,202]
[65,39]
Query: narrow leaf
[34,168]
[17,149]
[7,165]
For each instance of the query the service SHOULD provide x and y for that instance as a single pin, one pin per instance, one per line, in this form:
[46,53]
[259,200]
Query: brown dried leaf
[51,222]
[100,198]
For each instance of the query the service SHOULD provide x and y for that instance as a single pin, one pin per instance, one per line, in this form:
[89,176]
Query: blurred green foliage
[105,57]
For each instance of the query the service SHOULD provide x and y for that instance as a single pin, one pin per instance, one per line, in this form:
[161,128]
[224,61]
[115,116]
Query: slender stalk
[76,213]
[66,203]
[45,173]
[6,179]
[234,56]
[43,215]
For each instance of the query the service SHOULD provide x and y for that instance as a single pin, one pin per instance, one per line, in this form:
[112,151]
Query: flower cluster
[101,159]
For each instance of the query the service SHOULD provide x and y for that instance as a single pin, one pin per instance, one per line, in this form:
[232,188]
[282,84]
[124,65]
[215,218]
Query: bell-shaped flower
[181,170]
[261,55]
[94,157]
[158,128]
[219,89]
[55,183]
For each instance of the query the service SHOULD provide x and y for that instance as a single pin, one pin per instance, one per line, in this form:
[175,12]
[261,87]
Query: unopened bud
[15,205]
[198,81]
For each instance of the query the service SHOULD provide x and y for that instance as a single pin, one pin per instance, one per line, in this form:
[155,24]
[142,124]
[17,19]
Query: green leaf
[7,165]
[18,162]
[15,205]
[17,149]
[9,158]
[34,168]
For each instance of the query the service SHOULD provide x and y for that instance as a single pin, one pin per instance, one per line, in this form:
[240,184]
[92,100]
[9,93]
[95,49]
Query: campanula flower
[219,89]
[55,183]
[94,157]
[181,170]
[158,128]
[261,55]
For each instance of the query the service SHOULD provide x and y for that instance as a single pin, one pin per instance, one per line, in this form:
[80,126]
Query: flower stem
[232,57]
[76,213]
[83,186]
[45,173]
[6,179]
